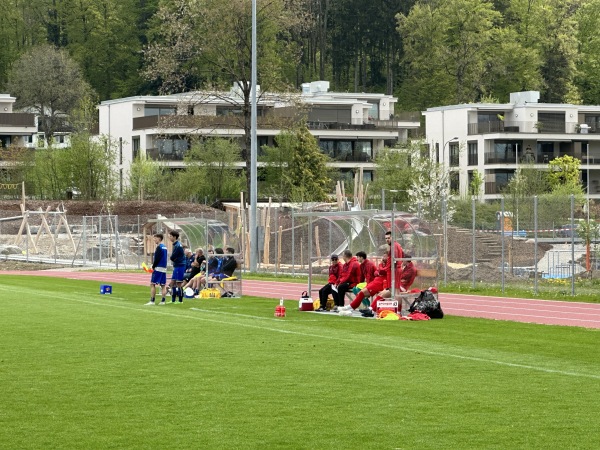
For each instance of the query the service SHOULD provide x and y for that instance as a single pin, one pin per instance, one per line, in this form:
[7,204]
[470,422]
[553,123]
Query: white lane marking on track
[155,310]
[537,316]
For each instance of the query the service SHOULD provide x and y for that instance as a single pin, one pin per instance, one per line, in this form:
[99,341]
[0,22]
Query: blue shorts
[178,273]
[159,278]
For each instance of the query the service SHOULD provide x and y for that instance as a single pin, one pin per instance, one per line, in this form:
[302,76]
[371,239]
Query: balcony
[501,126]
[17,119]
[207,122]
[492,187]
[270,121]
[156,154]
[496,158]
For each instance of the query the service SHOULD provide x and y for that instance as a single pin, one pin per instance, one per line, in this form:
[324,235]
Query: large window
[593,121]
[150,110]
[135,146]
[502,152]
[4,141]
[497,179]
[472,154]
[545,152]
[347,175]
[454,154]
[339,150]
[454,182]
[374,111]
[171,148]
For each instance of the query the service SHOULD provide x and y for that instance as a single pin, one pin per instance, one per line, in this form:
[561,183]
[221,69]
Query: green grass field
[84,370]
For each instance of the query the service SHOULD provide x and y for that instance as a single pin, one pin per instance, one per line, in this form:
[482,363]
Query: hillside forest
[426,52]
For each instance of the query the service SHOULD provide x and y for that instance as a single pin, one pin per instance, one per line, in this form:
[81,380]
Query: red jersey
[350,272]
[407,276]
[381,270]
[367,271]
[334,272]
[398,253]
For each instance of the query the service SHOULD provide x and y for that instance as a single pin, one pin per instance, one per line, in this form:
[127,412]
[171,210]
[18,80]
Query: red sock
[356,302]
[375,300]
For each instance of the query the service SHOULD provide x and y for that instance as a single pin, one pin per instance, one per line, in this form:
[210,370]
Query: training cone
[146,268]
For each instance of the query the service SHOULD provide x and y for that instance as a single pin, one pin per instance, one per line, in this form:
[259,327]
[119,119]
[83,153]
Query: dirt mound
[94,208]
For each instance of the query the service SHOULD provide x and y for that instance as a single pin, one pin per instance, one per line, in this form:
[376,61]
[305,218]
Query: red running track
[500,308]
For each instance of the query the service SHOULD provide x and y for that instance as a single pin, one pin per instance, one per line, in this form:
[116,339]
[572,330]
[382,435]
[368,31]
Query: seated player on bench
[376,285]
[403,283]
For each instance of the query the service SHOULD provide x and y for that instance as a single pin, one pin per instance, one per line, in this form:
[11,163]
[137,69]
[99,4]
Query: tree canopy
[428,53]
[47,81]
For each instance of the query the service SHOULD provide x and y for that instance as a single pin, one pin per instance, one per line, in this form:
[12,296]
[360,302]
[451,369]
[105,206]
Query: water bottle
[280,309]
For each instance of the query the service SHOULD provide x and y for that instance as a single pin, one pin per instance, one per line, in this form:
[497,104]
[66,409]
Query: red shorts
[376,286]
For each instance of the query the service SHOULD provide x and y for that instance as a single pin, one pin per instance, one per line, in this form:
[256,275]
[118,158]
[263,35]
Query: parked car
[567,231]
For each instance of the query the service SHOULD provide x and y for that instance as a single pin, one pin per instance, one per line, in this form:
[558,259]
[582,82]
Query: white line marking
[156,310]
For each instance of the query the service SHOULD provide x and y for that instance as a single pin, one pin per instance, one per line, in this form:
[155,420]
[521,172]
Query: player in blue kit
[178,259]
[159,267]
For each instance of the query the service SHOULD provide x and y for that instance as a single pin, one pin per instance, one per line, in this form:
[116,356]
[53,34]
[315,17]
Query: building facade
[496,138]
[350,127]
[16,129]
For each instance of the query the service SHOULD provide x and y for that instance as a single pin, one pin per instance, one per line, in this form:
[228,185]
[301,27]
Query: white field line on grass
[350,340]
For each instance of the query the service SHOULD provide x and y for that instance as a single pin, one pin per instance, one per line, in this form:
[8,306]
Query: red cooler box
[306,304]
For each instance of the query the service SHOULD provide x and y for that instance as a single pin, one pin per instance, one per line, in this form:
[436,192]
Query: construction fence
[535,242]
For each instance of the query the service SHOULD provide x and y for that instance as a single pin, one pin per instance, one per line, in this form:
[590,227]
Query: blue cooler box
[105,289]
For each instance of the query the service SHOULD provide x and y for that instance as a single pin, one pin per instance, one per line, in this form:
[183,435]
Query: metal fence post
[474,258]
[84,241]
[277,253]
[502,237]
[572,244]
[445,249]
[393,254]
[100,240]
[293,245]
[535,241]
[117,243]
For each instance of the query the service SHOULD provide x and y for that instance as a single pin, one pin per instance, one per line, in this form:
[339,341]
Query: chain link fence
[536,242]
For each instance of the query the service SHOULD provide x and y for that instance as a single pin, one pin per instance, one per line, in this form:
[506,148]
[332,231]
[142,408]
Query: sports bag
[428,304]
[210,293]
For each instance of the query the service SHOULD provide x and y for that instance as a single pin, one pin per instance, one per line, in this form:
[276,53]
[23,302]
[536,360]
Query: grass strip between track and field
[83,370]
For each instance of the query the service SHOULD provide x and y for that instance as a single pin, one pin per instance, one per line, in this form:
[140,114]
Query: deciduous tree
[200,43]
[48,82]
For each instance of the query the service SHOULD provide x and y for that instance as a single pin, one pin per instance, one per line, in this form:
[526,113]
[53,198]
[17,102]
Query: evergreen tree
[306,176]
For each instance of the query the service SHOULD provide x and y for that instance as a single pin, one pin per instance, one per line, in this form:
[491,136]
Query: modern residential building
[350,127]
[15,128]
[21,129]
[495,138]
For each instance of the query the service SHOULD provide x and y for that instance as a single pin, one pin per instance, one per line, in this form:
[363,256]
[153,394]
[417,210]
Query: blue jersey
[160,258]
[178,255]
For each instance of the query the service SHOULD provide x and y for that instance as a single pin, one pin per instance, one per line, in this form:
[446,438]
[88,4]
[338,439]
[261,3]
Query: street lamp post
[253,157]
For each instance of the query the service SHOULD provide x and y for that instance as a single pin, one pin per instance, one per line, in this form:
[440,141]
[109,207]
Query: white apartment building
[15,128]
[495,138]
[350,127]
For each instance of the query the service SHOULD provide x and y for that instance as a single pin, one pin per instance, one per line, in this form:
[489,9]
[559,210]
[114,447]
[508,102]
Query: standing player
[178,259]
[159,267]
[396,252]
